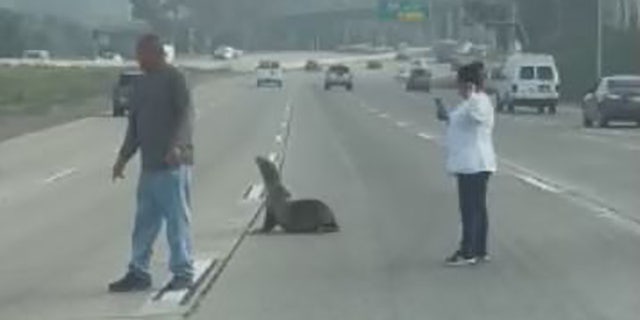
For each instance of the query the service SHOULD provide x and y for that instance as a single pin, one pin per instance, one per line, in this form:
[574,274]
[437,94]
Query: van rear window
[545,73]
[527,73]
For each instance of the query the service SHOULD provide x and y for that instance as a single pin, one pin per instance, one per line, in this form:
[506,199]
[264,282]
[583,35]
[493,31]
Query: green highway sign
[403,10]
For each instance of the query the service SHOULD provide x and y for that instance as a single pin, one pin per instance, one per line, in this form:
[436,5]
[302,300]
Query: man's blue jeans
[163,196]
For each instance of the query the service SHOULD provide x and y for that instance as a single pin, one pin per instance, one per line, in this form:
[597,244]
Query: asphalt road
[562,238]
[563,208]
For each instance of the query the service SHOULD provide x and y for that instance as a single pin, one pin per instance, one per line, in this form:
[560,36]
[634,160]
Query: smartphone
[442,113]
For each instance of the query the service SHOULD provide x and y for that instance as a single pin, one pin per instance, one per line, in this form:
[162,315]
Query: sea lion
[293,216]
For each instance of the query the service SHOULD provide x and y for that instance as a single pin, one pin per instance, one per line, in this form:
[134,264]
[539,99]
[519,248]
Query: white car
[528,80]
[269,72]
[226,53]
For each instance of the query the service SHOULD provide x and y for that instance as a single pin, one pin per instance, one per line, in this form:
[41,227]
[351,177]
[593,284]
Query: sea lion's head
[268,171]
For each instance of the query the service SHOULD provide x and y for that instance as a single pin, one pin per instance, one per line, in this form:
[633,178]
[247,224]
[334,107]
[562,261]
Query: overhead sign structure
[403,10]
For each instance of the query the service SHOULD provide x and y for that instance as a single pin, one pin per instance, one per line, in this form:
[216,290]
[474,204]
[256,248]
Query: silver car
[615,98]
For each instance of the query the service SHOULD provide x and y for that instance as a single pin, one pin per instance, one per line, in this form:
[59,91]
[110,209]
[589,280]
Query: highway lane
[65,228]
[374,156]
[600,164]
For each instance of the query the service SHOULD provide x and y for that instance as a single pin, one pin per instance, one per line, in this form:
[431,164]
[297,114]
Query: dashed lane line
[535,180]
[60,175]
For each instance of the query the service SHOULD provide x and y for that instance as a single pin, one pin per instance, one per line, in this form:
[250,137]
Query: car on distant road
[529,80]
[615,98]
[122,91]
[269,72]
[312,65]
[36,55]
[374,65]
[226,53]
[419,80]
[338,75]
[109,56]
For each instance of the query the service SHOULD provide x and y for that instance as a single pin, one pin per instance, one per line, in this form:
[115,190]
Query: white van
[528,80]
[269,72]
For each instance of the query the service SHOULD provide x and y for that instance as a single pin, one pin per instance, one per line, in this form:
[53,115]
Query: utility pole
[513,20]
[599,40]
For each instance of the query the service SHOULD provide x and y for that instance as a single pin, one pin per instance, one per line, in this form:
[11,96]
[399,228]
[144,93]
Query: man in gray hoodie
[161,127]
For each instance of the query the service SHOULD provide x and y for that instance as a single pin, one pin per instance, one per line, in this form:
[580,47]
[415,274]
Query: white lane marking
[254,193]
[609,132]
[537,183]
[60,175]
[402,124]
[169,302]
[620,221]
[273,157]
[425,136]
[279,139]
[600,139]
[383,116]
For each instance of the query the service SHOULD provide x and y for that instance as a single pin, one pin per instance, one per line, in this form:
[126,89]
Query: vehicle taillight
[514,88]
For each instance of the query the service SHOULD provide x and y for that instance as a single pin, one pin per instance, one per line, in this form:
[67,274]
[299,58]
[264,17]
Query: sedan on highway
[615,98]
[122,91]
[419,80]
[338,75]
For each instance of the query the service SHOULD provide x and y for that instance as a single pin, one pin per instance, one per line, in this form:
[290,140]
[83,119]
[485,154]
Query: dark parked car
[419,80]
[615,98]
[312,65]
[338,75]
[374,65]
[122,92]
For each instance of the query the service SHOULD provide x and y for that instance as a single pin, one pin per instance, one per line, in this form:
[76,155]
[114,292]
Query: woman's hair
[472,73]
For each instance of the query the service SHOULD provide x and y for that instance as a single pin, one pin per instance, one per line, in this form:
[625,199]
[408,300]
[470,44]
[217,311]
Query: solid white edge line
[538,183]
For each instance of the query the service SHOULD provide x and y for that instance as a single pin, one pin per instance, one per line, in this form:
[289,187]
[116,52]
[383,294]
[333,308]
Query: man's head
[150,52]
[470,79]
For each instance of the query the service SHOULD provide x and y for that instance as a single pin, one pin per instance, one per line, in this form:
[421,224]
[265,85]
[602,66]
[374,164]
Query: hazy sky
[89,11]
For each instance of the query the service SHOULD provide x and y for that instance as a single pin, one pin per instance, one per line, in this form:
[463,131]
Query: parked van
[528,80]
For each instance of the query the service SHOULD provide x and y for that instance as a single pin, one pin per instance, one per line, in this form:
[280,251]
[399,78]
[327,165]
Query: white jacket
[469,139]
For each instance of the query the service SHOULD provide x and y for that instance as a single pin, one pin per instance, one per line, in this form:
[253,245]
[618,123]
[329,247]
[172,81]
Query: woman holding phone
[471,158]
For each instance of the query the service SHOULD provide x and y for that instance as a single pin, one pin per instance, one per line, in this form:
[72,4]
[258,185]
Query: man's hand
[118,170]
[173,157]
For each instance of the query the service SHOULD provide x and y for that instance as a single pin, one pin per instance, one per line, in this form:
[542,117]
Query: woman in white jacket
[471,158]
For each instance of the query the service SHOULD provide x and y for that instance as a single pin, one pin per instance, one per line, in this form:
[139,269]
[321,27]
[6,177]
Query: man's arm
[131,142]
[182,134]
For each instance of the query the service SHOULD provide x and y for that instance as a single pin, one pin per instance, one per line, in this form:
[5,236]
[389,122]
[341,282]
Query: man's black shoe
[179,283]
[131,282]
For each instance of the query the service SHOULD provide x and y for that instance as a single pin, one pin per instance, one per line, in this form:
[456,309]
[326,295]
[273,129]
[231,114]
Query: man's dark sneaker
[131,282]
[459,260]
[179,283]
